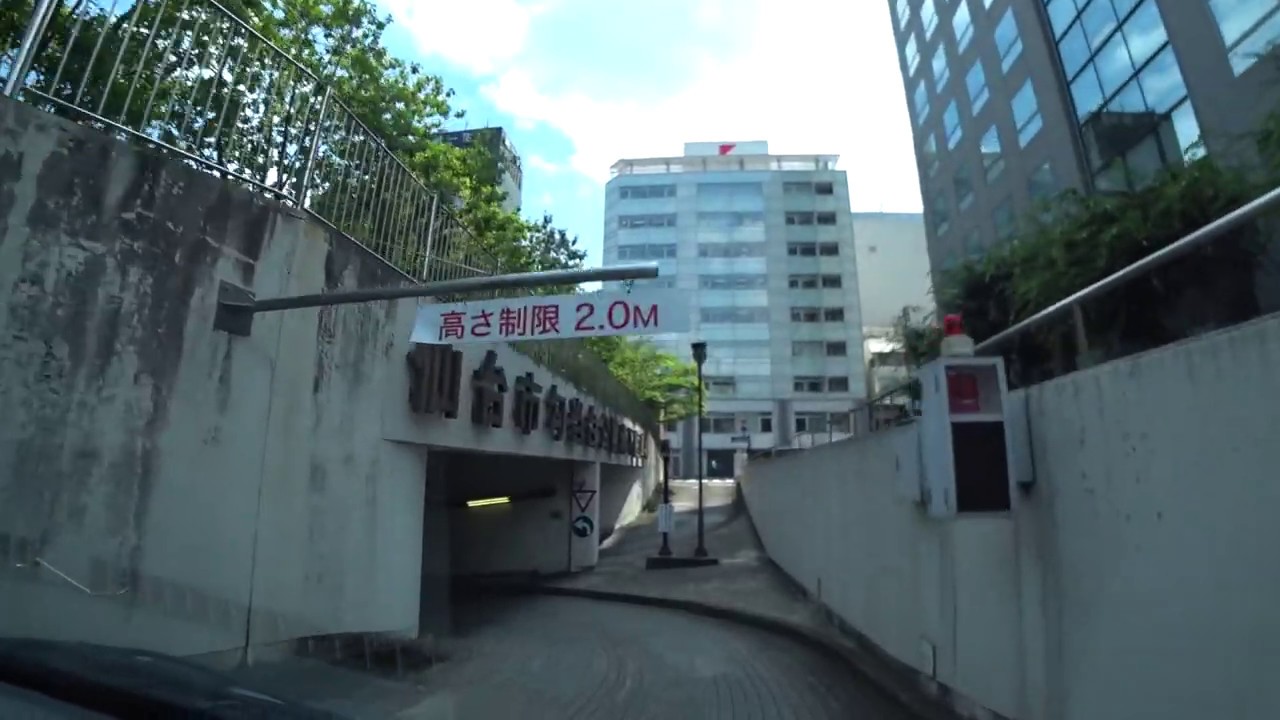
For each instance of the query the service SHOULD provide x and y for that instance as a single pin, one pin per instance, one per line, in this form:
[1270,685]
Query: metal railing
[1247,213]
[192,79]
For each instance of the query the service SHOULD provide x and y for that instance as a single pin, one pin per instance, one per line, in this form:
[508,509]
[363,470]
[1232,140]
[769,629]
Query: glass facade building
[765,245]
[1012,101]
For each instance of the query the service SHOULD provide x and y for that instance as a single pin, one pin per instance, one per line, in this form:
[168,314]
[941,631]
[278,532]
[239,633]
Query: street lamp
[700,357]
[665,550]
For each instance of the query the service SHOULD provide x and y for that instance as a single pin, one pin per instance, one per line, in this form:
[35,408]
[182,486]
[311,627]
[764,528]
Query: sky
[580,84]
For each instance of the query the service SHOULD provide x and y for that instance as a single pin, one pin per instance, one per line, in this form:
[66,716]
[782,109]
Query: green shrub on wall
[1075,240]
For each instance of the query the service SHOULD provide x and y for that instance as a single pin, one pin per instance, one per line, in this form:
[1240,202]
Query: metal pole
[701,550]
[665,550]
[27,49]
[237,306]
[309,166]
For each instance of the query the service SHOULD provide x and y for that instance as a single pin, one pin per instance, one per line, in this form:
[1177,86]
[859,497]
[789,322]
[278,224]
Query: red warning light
[952,325]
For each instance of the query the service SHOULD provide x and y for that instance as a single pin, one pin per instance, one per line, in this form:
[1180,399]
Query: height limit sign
[553,317]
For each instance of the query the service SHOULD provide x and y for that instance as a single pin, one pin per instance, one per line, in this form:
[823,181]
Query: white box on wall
[966,454]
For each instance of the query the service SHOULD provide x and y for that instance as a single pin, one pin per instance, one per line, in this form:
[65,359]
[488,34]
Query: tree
[658,378]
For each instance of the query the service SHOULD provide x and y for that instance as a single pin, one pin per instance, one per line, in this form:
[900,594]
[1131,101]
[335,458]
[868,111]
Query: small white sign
[553,317]
[666,518]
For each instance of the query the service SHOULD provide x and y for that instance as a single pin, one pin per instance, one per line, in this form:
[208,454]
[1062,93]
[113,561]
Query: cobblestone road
[545,657]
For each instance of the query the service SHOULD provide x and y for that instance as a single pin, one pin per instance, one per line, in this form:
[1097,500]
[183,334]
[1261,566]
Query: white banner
[553,317]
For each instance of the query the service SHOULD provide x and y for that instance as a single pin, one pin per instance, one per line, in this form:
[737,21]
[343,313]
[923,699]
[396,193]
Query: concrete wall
[1134,580]
[893,265]
[166,485]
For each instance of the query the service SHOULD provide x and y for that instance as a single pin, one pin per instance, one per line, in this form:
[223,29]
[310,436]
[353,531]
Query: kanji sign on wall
[553,317]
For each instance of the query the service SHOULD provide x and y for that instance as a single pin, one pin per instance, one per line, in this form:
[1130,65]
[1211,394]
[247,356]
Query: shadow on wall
[1134,579]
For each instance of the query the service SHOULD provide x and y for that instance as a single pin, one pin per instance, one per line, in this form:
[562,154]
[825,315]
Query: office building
[765,245]
[1012,101]
[893,274]
[506,172]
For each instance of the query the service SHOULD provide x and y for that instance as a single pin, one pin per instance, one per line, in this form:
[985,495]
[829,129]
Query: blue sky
[582,83]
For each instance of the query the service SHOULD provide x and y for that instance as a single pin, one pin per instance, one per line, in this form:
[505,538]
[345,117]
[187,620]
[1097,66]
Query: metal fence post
[431,235]
[307,167]
[27,50]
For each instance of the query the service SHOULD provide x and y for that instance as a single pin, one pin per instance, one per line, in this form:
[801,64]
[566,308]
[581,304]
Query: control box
[965,452]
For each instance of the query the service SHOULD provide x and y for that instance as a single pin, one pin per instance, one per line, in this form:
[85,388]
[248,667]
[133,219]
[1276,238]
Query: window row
[647,221]
[816,384]
[647,252]
[642,192]
[815,315]
[810,218]
[734,314]
[733,282]
[1041,185]
[814,249]
[930,85]
[819,348]
[822,422]
[808,188]
[808,282]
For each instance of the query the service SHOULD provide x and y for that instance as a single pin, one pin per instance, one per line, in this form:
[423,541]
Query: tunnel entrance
[720,463]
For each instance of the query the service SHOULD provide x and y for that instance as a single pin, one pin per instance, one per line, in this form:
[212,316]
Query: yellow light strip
[488,501]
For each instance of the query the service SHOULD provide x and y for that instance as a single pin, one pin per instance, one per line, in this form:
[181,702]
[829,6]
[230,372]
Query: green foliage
[919,333]
[1080,239]
[658,378]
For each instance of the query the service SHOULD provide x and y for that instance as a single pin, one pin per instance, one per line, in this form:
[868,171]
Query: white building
[765,243]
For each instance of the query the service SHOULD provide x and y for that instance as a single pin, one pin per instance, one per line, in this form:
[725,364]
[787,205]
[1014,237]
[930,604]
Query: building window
[920,99]
[962,24]
[1248,29]
[806,348]
[646,252]
[640,192]
[912,52]
[766,423]
[928,18]
[721,386]
[951,125]
[1003,217]
[833,315]
[992,159]
[1042,185]
[1008,44]
[807,384]
[732,282]
[735,314]
[718,423]
[1026,113]
[825,218]
[973,244]
[929,155]
[730,219]
[806,314]
[646,221]
[832,282]
[731,189]
[838,384]
[802,249]
[799,218]
[730,250]
[941,73]
[802,282]
[828,249]
[903,12]
[837,349]
[824,188]
[940,211]
[810,422]
[963,186]
[976,81]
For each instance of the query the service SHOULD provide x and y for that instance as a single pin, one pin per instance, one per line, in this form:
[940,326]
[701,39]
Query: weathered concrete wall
[623,491]
[1134,580]
[204,490]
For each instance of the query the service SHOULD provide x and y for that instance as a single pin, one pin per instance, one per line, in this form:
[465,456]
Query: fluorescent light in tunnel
[488,501]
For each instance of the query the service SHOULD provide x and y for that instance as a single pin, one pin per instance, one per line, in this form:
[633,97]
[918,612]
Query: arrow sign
[582,498]
[583,526]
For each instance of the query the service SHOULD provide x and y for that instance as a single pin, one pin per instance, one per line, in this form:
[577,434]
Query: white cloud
[543,164]
[442,28]
[803,91]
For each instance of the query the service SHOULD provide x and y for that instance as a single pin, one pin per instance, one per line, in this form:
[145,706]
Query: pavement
[547,656]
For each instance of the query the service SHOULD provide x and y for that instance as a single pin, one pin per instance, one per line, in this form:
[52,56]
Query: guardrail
[1247,213]
[195,81]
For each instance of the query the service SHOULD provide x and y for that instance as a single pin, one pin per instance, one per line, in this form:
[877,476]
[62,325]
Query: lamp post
[700,357]
[665,550]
